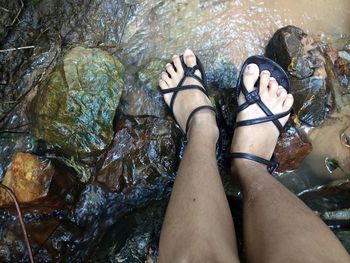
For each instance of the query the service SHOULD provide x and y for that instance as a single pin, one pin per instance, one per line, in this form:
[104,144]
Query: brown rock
[37,184]
[301,57]
[143,155]
[291,150]
[28,177]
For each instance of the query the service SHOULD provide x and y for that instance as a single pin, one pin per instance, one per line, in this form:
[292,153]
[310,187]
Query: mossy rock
[74,108]
[150,74]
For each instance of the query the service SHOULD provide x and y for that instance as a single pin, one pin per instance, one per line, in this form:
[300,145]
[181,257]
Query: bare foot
[260,139]
[187,100]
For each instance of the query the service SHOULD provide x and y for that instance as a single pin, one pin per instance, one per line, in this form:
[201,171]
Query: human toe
[264,81]
[177,64]
[164,76]
[163,84]
[273,86]
[250,76]
[288,102]
[281,92]
[189,58]
[170,69]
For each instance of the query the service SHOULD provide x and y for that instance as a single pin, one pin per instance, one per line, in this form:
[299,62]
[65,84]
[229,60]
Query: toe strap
[271,165]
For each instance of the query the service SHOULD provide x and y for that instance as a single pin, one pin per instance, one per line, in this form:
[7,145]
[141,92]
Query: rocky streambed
[91,150]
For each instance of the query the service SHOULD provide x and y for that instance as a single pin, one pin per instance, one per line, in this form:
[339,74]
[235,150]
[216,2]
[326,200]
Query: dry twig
[4,9]
[19,11]
[16,48]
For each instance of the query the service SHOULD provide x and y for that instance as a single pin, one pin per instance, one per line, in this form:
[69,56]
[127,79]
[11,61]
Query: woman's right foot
[260,139]
[188,100]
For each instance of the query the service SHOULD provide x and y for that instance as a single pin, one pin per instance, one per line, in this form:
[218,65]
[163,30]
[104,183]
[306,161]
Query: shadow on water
[109,207]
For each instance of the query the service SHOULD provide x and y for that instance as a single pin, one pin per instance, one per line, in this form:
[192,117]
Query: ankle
[242,166]
[203,125]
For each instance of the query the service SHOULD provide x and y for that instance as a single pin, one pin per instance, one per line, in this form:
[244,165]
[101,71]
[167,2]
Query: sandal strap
[189,72]
[271,165]
[264,119]
[185,87]
[197,110]
[178,89]
[253,97]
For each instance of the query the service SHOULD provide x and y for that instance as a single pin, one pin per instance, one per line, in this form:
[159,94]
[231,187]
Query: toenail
[250,68]
[174,56]
[272,79]
[167,65]
[265,72]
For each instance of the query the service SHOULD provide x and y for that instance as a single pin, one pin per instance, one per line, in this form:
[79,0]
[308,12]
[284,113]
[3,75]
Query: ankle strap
[197,110]
[271,165]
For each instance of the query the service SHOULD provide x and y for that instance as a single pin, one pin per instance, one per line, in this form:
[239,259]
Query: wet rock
[341,63]
[15,66]
[331,197]
[38,185]
[99,212]
[61,242]
[287,48]
[331,202]
[150,74]
[291,149]
[8,16]
[142,96]
[134,237]
[314,110]
[74,108]
[225,102]
[339,100]
[13,142]
[222,74]
[298,54]
[142,155]
[79,22]
[28,177]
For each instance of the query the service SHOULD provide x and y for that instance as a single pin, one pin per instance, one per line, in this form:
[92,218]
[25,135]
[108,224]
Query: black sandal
[189,72]
[253,97]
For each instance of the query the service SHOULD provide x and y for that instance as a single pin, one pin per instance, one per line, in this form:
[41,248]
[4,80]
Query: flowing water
[232,31]
[219,32]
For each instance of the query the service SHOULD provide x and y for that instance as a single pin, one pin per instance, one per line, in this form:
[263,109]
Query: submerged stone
[314,110]
[291,149]
[74,108]
[143,154]
[142,95]
[331,202]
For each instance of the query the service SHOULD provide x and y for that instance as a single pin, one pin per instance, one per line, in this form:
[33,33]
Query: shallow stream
[109,227]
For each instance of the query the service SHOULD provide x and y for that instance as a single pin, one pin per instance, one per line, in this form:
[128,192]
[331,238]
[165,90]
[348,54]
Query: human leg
[278,227]
[198,226]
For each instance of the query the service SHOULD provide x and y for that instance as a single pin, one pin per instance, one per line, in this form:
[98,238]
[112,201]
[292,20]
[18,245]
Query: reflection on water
[233,29]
